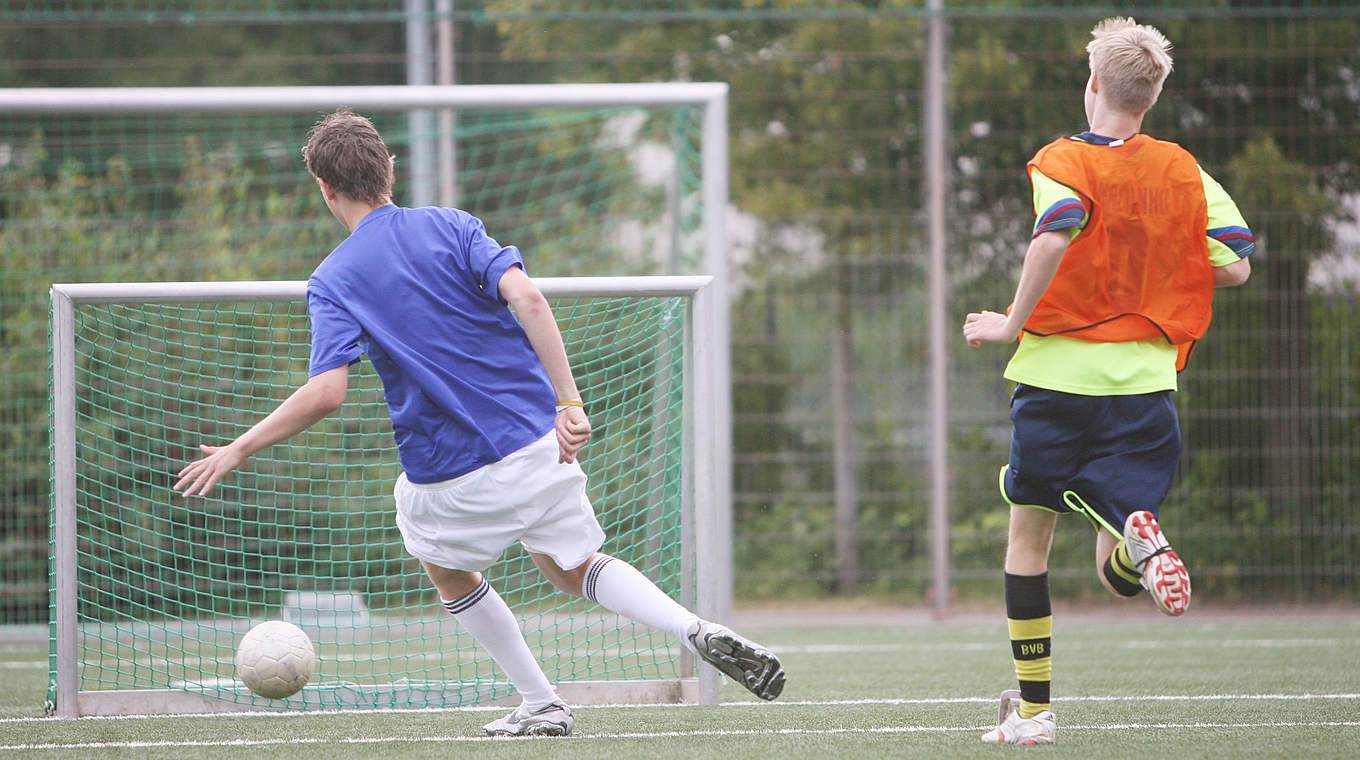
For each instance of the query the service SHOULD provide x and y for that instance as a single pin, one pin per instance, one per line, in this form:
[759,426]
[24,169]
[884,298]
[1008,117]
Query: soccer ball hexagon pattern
[275,659]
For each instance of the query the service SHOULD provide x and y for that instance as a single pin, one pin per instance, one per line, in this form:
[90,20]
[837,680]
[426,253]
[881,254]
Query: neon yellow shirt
[1091,368]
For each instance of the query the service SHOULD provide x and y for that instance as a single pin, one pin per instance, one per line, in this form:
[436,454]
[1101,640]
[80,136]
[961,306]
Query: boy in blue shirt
[485,411]
[1132,238]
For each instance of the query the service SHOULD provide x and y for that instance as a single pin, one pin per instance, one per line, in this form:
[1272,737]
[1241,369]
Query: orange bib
[1140,269]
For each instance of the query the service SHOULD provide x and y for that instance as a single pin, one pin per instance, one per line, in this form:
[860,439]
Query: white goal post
[711,98]
[705,580]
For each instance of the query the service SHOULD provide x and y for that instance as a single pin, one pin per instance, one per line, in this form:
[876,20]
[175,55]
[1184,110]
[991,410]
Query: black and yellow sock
[1120,572]
[1029,616]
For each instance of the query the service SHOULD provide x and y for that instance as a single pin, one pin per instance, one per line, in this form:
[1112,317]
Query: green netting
[305,531]
[187,197]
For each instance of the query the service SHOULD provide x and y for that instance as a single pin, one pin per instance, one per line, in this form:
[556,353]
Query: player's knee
[452,584]
[563,581]
[569,581]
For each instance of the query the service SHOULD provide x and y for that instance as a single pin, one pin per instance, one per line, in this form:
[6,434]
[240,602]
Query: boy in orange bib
[1131,239]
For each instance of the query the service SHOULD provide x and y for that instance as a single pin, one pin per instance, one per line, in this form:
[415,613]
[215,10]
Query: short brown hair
[345,150]
[1130,61]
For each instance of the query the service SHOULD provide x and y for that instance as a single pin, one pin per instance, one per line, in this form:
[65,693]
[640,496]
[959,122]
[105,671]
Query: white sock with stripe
[620,588]
[488,618]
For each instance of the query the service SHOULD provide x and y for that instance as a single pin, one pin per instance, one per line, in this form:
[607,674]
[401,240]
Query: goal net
[154,590]
[208,184]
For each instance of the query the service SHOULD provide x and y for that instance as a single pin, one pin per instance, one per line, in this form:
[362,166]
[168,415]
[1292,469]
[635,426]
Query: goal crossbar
[102,100]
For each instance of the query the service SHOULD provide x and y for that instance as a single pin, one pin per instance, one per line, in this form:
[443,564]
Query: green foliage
[140,54]
[826,137]
[1284,193]
[66,219]
[826,156]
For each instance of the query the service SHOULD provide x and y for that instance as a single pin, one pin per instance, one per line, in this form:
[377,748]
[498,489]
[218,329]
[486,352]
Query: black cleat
[741,659]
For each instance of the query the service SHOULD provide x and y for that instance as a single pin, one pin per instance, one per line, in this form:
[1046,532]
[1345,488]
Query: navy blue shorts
[1102,456]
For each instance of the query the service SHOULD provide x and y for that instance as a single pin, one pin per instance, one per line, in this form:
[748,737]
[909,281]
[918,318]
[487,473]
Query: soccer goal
[184,184]
[154,590]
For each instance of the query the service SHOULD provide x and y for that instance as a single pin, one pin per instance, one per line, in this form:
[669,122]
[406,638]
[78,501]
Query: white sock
[488,618]
[620,588]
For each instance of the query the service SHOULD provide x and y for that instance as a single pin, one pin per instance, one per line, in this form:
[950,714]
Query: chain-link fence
[831,402]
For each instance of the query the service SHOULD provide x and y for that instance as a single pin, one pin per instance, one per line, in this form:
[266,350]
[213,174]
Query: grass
[1211,685]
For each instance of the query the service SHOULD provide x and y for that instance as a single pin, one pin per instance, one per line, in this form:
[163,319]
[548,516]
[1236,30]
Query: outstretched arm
[535,315]
[321,395]
[1041,264]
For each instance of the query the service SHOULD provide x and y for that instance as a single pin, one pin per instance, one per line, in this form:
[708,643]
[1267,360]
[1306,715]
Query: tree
[825,133]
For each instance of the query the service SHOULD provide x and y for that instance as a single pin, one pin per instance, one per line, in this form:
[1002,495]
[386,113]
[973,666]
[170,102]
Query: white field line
[773,732]
[974,646]
[965,646]
[225,657]
[300,714]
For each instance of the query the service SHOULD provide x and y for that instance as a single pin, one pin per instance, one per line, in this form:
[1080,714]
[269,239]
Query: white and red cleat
[1013,729]
[1164,574]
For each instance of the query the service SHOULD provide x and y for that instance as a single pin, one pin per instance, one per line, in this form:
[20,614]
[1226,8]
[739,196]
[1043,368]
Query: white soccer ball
[275,659]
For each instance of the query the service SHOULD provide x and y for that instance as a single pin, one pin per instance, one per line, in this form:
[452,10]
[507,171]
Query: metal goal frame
[705,580]
[711,98]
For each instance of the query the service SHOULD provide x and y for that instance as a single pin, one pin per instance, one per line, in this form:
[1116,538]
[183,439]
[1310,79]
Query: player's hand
[573,430]
[198,477]
[987,326]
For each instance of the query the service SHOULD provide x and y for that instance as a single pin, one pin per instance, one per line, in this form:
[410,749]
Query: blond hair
[1130,61]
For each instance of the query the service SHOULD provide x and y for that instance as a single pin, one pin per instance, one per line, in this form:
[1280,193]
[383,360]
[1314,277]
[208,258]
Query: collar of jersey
[1095,139]
[375,213]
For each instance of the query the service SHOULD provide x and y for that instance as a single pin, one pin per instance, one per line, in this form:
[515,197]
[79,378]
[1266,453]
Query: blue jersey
[416,290]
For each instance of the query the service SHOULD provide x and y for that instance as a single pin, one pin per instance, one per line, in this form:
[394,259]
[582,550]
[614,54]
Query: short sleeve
[336,335]
[1230,239]
[1057,206]
[488,260]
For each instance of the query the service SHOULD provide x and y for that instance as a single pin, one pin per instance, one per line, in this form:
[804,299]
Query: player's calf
[1119,574]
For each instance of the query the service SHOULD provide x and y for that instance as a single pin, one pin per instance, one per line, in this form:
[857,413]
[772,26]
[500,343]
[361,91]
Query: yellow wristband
[571,402]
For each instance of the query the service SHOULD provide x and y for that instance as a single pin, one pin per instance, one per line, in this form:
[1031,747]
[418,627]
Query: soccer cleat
[553,720]
[1163,573]
[1013,729]
[743,660]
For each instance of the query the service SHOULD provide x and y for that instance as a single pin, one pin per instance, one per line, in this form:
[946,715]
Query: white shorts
[467,523]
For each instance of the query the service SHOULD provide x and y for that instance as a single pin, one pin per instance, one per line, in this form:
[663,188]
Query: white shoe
[1013,729]
[743,660]
[1163,573]
[553,720]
